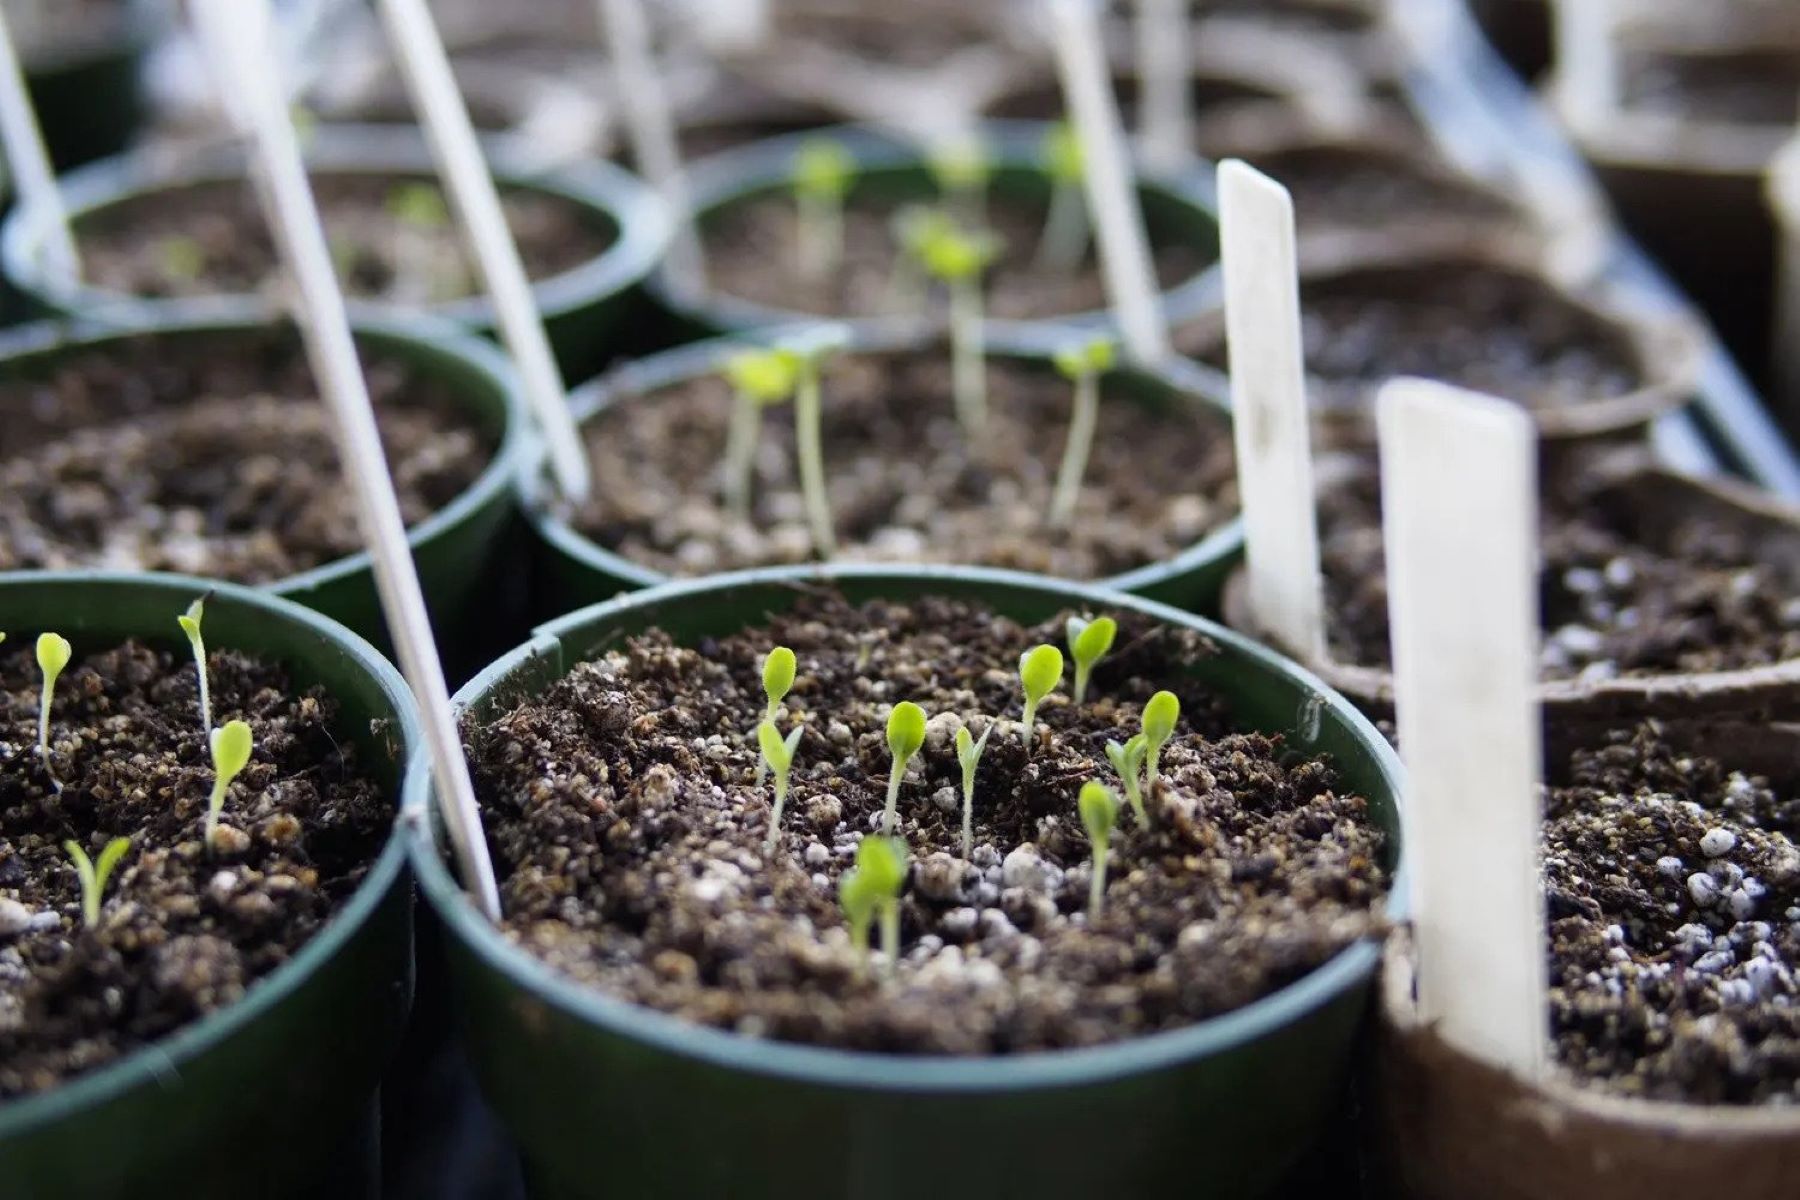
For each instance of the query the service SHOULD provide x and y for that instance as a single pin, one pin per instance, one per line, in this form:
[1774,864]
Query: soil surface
[181,932]
[1622,596]
[628,825]
[751,254]
[1673,887]
[54,29]
[1759,87]
[1466,323]
[1207,95]
[906,483]
[209,455]
[210,238]
[1346,187]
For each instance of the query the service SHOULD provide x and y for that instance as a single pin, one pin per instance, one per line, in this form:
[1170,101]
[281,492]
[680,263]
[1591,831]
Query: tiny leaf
[1089,644]
[53,651]
[823,168]
[905,730]
[231,745]
[857,898]
[1040,670]
[1099,810]
[1160,715]
[774,747]
[766,376]
[1065,159]
[778,674]
[420,205]
[881,861]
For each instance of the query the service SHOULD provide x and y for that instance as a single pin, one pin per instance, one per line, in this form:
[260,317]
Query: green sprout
[231,744]
[778,753]
[1099,812]
[859,903]
[190,625]
[871,888]
[958,261]
[1088,643]
[759,379]
[778,676]
[53,653]
[968,755]
[1128,761]
[823,170]
[905,734]
[1040,670]
[94,874]
[913,225]
[810,353]
[1065,237]
[420,205]
[962,167]
[1083,366]
[182,258]
[1160,714]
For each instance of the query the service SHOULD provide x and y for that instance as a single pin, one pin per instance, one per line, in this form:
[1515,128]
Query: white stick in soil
[1587,65]
[235,36]
[1459,497]
[650,126]
[1268,403]
[1111,186]
[476,202]
[1165,68]
[28,161]
[730,26]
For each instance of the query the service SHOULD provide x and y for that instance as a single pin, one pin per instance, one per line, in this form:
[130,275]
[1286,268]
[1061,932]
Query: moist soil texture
[1620,596]
[208,455]
[752,254]
[1492,330]
[182,932]
[1673,888]
[906,482]
[1755,87]
[1346,187]
[1207,96]
[628,825]
[390,236]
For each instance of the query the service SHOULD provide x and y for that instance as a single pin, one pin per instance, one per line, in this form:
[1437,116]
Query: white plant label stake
[1268,402]
[731,26]
[235,36]
[476,203]
[1112,197]
[1587,66]
[28,161]
[1165,63]
[1459,497]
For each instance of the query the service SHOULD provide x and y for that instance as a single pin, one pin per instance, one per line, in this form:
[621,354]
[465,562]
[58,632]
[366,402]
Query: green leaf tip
[961,164]
[190,620]
[1095,357]
[94,874]
[419,204]
[823,168]
[1099,810]
[858,898]
[1040,670]
[1065,158]
[766,376]
[53,653]
[231,746]
[881,861]
[905,731]
[1089,642]
[778,674]
[951,255]
[778,751]
[1160,714]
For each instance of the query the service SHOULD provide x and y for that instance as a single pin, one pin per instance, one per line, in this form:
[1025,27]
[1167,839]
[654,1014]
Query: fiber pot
[273,1094]
[888,168]
[684,1110]
[585,308]
[575,570]
[456,548]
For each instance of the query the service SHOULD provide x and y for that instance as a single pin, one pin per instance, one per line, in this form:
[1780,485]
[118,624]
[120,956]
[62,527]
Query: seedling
[913,226]
[94,874]
[1088,643]
[880,874]
[1065,239]
[53,652]
[779,669]
[1040,670]
[1128,761]
[810,354]
[962,168]
[958,260]
[759,379]
[1160,714]
[190,625]
[1083,366]
[905,734]
[182,258]
[778,754]
[418,205]
[859,902]
[968,754]
[1099,813]
[823,170]
[231,745]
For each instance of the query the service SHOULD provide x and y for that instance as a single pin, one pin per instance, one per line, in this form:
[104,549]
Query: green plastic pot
[1175,209]
[459,549]
[585,308]
[272,1095]
[609,1099]
[574,570]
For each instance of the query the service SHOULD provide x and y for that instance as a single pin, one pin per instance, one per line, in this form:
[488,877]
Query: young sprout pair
[1141,754]
[871,889]
[1082,365]
[823,171]
[94,874]
[778,671]
[230,743]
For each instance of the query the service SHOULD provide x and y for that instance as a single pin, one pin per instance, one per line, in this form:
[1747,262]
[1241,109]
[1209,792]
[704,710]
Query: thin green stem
[740,453]
[859,942]
[781,786]
[1030,721]
[807,404]
[1097,885]
[1135,795]
[892,812]
[1150,771]
[44,734]
[968,353]
[1074,466]
[215,805]
[968,814]
[820,240]
[1065,240]
[890,933]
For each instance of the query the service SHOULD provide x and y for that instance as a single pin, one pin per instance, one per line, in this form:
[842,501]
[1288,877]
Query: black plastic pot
[608,1099]
[586,309]
[273,1095]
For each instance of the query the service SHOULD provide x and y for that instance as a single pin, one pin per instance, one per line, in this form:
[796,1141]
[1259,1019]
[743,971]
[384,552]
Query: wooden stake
[28,161]
[235,37]
[1165,66]
[1459,496]
[1268,404]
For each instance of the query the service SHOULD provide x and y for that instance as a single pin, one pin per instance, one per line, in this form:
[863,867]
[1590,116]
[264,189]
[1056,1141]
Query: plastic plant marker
[1165,60]
[1124,246]
[1268,403]
[235,36]
[1587,68]
[190,625]
[1459,497]
[730,26]
[28,160]
[475,201]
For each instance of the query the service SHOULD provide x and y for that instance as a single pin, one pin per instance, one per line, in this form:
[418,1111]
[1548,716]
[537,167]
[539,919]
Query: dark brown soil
[905,483]
[1208,94]
[628,827]
[141,245]
[208,455]
[1340,187]
[48,30]
[1753,87]
[894,37]
[1465,323]
[1673,885]
[751,254]
[1621,596]
[182,933]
